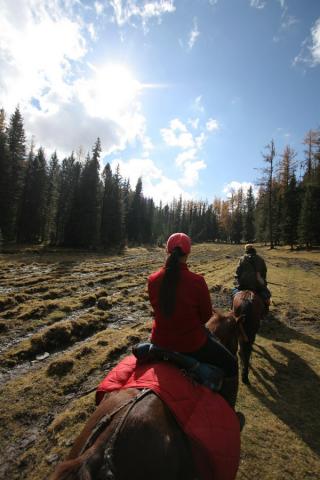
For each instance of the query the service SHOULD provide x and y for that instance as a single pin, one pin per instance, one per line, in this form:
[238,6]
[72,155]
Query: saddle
[203,373]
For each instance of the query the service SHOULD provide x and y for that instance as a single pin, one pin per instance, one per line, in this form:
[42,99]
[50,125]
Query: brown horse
[133,435]
[250,306]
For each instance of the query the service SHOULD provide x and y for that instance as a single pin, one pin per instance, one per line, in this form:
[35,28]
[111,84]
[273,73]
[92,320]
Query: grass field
[66,318]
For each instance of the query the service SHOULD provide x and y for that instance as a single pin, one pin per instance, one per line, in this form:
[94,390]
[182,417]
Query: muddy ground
[66,318]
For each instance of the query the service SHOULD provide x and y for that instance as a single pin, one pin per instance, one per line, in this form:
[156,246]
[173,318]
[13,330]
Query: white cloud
[125,11]
[71,125]
[212,125]
[191,173]
[200,140]
[288,22]
[186,156]
[194,122]
[176,124]
[155,183]
[92,31]
[38,43]
[177,135]
[310,48]
[188,161]
[43,49]
[197,104]
[147,146]
[98,7]
[234,186]
[194,34]
[259,4]
[315,48]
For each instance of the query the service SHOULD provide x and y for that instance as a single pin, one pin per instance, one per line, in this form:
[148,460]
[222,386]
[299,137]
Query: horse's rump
[250,305]
[209,422]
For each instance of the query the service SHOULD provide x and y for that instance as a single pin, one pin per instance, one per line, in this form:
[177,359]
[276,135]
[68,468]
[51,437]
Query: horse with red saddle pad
[154,422]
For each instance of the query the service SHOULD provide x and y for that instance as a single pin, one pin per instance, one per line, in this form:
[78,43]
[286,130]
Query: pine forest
[73,202]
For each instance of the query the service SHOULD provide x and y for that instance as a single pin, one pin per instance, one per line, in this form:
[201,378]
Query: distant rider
[251,274]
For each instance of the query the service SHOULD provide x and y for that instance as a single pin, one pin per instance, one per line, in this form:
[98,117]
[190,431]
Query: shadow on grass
[293,393]
[274,329]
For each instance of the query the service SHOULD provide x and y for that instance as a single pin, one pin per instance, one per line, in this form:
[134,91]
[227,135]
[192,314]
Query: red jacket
[184,330]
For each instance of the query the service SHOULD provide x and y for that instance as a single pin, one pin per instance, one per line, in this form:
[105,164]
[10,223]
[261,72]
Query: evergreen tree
[236,209]
[225,222]
[83,226]
[184,220]
[210,224]
[248,223]
[4,174]
[50,234]
[177,214]
[134,215]
[33,210]
[277,212]
[126,198]
[147,220]
[309,215]
[112,218]
[261,216]
[25,227]
[16,173]
[68,184]
[291,213]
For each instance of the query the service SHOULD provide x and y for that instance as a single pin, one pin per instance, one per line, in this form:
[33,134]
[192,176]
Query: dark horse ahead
[146,442]
[250,306]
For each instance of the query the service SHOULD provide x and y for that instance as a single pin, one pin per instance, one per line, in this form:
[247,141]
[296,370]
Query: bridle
[103,423]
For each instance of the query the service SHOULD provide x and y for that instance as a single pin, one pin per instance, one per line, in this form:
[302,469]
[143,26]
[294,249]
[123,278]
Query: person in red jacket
[182,305]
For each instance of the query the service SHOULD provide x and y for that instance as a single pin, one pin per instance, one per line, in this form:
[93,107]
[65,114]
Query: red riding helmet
[179,240]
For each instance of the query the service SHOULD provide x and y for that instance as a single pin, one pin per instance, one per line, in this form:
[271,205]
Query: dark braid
[168,288]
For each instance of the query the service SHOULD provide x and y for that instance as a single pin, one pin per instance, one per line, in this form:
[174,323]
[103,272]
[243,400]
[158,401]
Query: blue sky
[185,93]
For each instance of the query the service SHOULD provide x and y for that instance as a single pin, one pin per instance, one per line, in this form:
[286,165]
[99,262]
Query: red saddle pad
[207,419]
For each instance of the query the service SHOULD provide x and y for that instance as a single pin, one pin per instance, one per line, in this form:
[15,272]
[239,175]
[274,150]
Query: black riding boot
[229,390]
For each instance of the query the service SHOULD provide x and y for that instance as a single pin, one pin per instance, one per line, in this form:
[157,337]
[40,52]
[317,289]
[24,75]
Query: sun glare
[111,92]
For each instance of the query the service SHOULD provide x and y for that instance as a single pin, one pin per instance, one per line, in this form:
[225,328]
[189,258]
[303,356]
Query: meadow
[66,319]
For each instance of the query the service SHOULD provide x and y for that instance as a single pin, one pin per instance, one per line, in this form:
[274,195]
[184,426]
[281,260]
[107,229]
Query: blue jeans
[215,353]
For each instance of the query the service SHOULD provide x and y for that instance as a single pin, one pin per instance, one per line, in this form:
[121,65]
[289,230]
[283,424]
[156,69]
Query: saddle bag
[203,373]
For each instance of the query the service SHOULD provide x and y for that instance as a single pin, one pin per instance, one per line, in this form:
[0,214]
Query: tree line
[70,202]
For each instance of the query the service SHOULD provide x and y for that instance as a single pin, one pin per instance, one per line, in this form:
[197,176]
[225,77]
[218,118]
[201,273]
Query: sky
[185,93]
